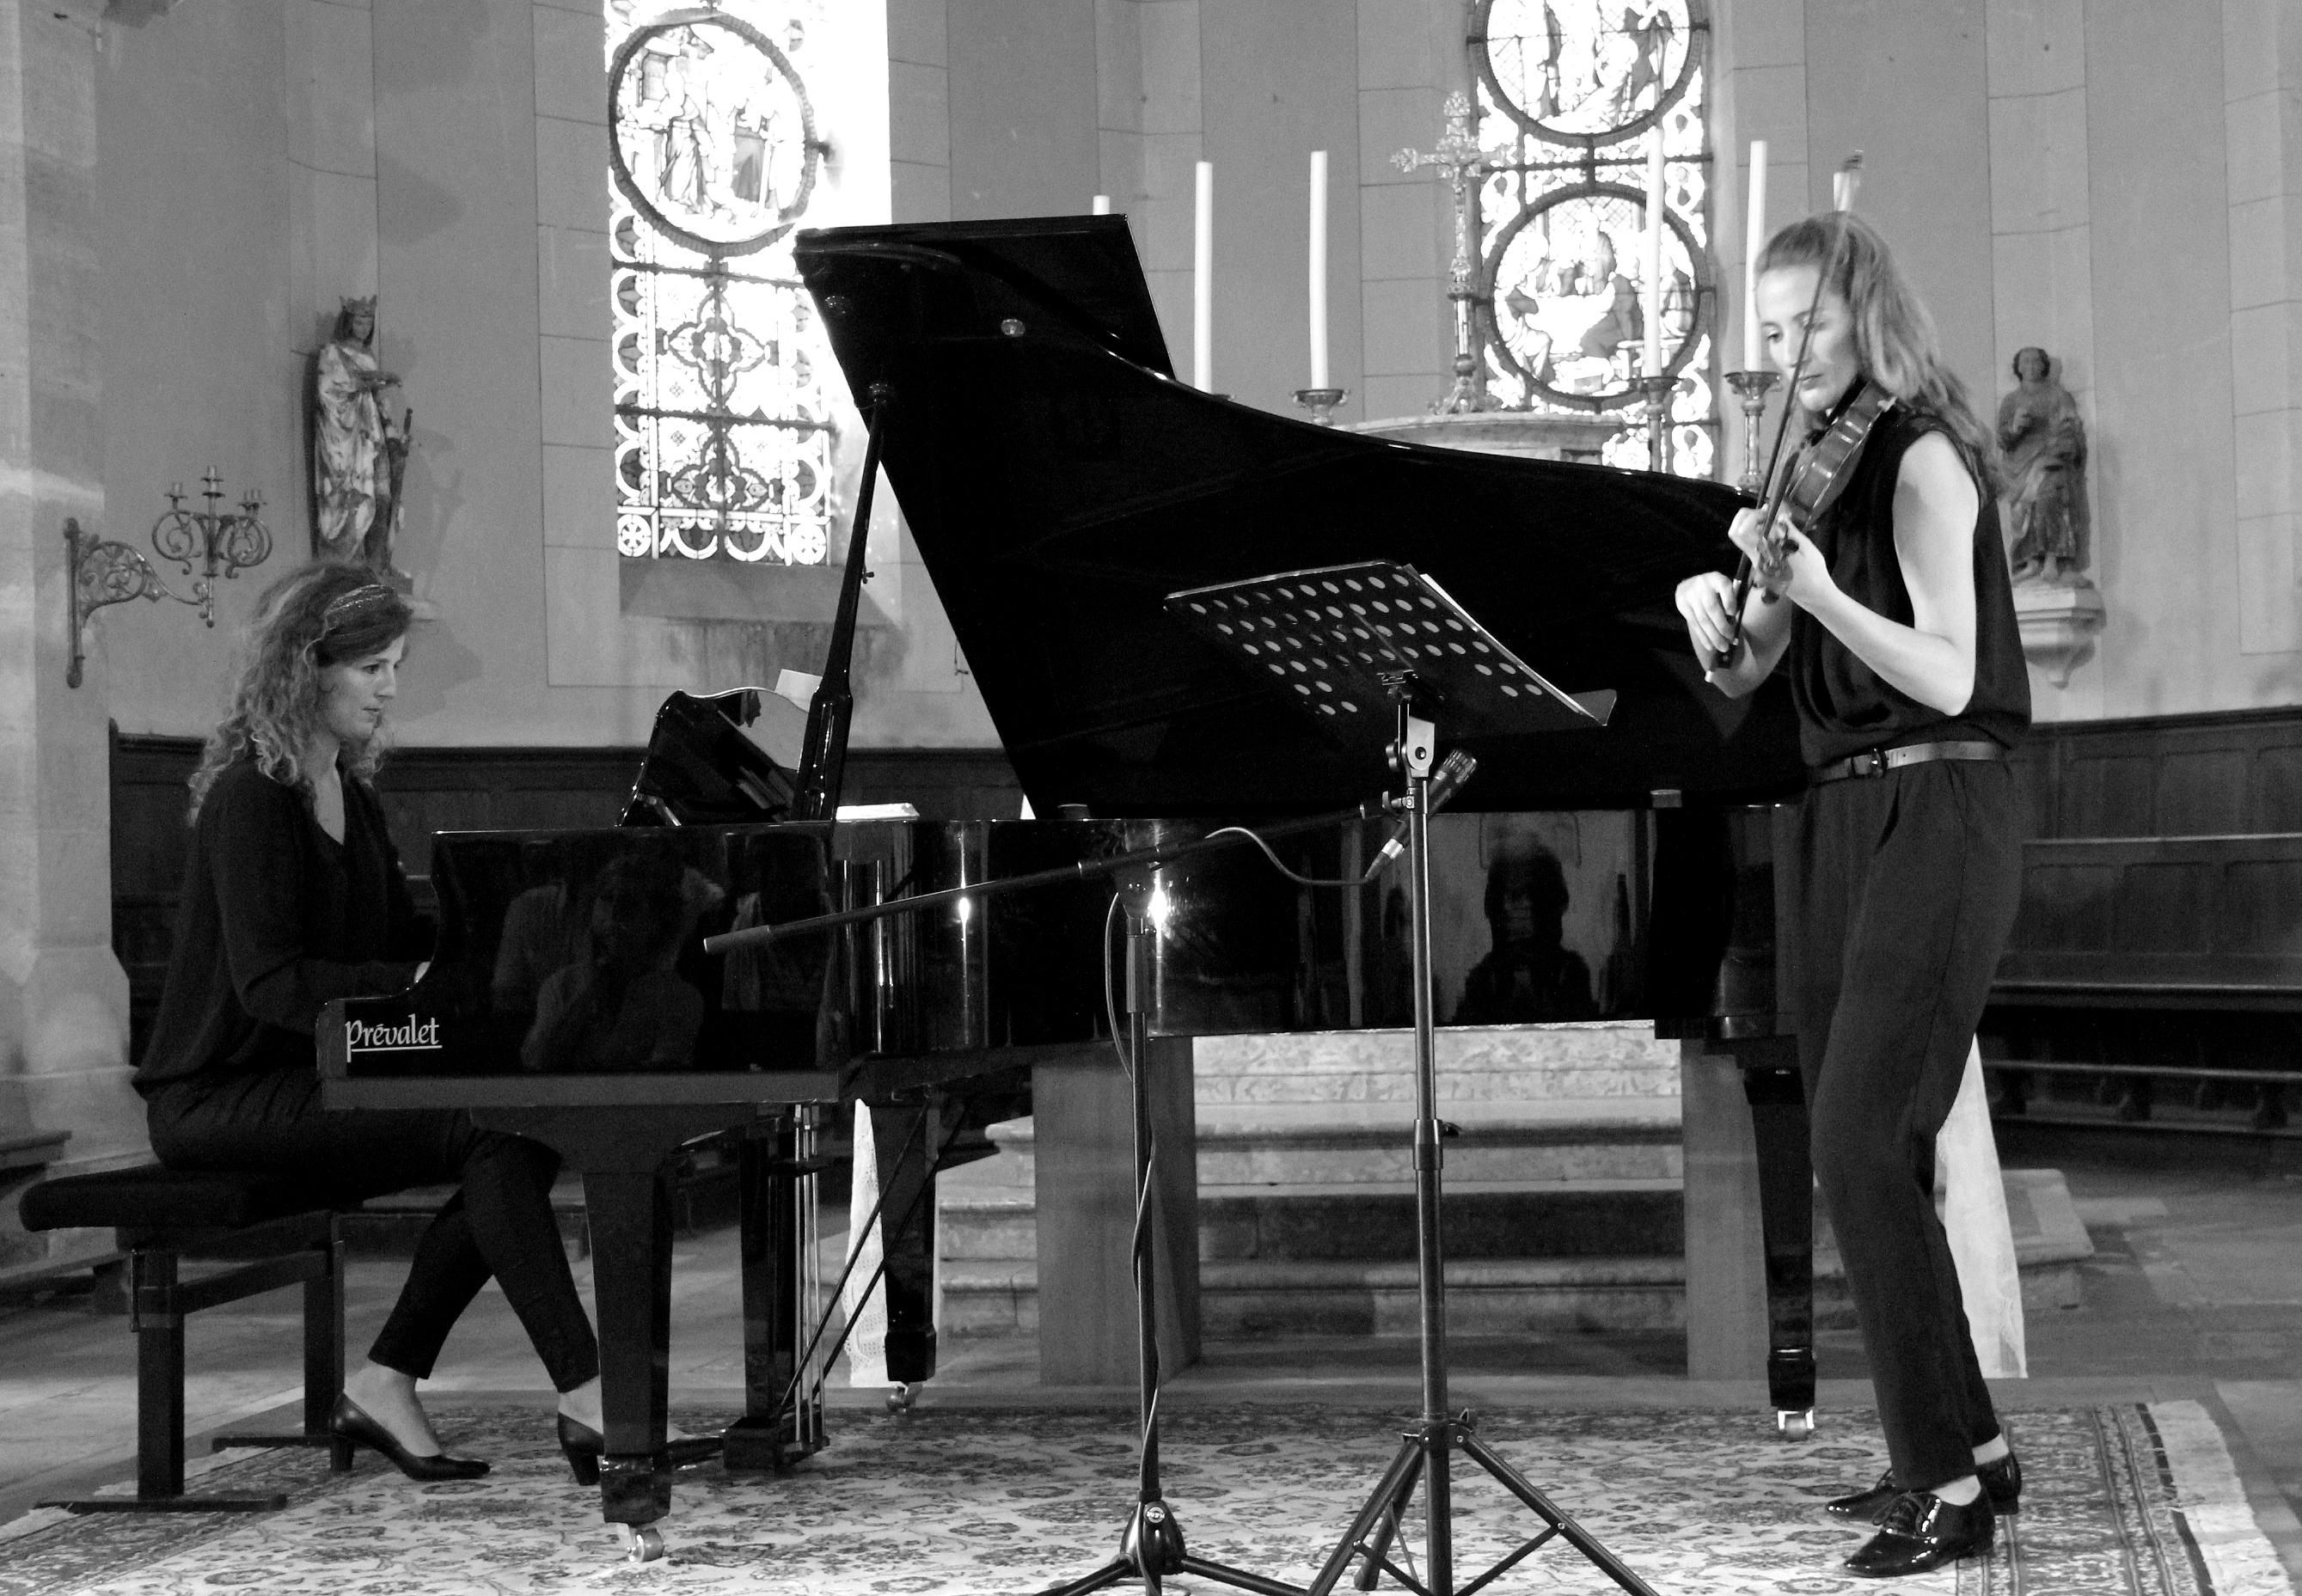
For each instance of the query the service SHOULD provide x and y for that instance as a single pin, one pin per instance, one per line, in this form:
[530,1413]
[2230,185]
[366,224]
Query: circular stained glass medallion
[1586,71]
[712,139]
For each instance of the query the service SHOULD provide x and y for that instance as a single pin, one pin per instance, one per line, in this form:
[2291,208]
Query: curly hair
[311,619]
[1895,338]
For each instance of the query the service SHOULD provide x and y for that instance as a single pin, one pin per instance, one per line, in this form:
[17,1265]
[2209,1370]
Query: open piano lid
[1060,483]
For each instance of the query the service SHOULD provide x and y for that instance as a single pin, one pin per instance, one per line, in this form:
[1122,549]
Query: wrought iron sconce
[102,572]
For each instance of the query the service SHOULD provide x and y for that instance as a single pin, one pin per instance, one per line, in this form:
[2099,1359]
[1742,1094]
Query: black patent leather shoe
[1920,1531]
[1864,1507]
[351,1425]
[2002,1482]
[581,1445]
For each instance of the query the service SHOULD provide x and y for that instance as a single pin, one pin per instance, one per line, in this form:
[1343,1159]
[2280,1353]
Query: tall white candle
[1318,268]
[1754,239]
[1102,205]
[1654,254]
[1203,288]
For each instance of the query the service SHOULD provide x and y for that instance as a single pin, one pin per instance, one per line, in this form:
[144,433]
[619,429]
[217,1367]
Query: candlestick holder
[100,571]
[1321,403]
[1750,387]
[1657,390]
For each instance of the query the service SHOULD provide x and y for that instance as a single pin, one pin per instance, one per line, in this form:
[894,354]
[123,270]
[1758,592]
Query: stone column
[330,100]
[63,997]
[2262,94]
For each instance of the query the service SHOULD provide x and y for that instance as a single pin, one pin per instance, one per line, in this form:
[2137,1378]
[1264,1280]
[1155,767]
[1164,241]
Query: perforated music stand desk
[1344,639]
[1346,643]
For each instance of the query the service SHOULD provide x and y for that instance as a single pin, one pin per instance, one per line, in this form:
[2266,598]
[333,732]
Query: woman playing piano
[1907,670]
[293,896]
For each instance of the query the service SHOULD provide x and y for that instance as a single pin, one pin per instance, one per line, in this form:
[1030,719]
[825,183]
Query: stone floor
[2195,1291]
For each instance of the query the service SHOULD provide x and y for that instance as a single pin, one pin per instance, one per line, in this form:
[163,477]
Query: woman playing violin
[1893,608]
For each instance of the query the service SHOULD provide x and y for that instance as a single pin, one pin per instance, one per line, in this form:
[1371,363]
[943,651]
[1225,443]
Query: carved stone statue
[359,453]
[2045,447]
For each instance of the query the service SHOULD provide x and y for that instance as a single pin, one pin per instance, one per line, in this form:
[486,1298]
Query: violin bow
[1843,184]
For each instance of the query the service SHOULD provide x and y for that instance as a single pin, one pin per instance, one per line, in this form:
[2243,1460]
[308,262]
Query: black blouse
[1846,707]
[276,918]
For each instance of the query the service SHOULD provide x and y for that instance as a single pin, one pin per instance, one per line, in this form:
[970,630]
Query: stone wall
[2109,180]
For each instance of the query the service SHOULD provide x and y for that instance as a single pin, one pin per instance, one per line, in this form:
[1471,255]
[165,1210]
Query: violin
[1820,471]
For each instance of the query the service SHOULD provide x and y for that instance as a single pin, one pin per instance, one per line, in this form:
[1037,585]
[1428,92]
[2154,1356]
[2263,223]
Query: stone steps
[1562,1210]
[989,1283]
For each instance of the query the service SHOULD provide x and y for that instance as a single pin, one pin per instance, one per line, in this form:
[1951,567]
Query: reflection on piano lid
[701,771]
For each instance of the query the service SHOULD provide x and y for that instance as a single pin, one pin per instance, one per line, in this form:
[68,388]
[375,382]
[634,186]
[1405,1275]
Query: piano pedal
[642,1544]
[1795,1425]
[900,1400]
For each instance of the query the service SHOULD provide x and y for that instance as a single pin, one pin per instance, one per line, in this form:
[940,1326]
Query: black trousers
[500,1222]
[1908,884]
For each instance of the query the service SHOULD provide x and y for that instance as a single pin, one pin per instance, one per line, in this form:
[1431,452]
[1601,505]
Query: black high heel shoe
[581,1445]
[351,1426]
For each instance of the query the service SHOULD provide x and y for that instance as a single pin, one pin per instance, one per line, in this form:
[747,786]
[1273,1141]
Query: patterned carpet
[2134,1500]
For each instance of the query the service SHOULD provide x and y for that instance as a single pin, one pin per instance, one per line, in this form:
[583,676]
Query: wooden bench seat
[277,1232]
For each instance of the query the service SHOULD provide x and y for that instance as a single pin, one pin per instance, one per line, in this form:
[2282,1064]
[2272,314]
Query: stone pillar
[330,102]
[2262,109]
[64,996]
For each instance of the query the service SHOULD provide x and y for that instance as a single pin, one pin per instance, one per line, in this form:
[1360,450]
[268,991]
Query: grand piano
[1059,482]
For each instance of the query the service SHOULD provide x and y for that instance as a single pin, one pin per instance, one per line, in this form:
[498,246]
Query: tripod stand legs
[1423,1454]
[1422,1459]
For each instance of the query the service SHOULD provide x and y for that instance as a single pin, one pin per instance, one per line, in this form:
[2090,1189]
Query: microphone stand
[1151,1547]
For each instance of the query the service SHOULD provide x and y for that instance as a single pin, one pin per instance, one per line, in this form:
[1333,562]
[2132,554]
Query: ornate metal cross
[1459,155]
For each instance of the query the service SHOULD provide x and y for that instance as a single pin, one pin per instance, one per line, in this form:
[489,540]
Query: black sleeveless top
[1845,707]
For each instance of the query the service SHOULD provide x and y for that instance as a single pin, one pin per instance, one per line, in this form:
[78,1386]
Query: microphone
[1453,771]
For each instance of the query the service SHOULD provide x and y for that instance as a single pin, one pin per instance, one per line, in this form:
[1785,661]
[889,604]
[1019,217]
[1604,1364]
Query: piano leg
[630,1213]
[1778,1122]
[907,1234]
[1750,1222]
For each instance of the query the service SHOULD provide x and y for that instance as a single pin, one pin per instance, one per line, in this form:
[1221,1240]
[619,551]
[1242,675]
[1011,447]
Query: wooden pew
[2155,957]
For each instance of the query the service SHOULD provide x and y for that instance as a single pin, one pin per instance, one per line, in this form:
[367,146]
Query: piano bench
[277,1230]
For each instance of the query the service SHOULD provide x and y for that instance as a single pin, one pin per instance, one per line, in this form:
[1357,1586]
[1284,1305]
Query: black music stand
[1345,640]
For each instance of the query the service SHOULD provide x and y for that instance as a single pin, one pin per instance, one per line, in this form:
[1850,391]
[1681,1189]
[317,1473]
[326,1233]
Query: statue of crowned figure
[360,451]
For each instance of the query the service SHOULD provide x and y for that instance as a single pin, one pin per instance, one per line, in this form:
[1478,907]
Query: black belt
[1878,761]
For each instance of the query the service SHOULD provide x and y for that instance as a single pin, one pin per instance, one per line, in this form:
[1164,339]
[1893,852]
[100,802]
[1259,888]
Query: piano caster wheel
[901,1398]
[642,1544]
[1795,1425]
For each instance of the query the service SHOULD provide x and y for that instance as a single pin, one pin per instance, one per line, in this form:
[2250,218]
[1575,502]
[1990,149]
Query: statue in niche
[359,453]
[2046,449]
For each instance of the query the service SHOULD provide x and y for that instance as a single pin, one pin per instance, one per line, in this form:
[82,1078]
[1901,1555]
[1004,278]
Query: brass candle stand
[1321,403]
[101,572]
[1751,387]
[1657,390]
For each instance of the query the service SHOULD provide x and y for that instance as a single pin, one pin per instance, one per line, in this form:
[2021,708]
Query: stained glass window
[723,423]
[1577,90]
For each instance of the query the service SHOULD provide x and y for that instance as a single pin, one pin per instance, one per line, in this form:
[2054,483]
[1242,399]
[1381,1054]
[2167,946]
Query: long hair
[319,616]
[1895,338]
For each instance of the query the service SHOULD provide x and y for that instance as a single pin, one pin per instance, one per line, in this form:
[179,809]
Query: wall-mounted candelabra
[214,540]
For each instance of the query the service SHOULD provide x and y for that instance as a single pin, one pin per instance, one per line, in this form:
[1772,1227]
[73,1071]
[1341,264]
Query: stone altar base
[1563,1208]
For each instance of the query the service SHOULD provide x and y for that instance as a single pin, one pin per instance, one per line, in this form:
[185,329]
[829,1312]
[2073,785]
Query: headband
[341,609]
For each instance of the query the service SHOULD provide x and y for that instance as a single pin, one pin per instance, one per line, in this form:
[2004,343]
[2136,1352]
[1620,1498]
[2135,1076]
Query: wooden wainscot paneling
[2227,774]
